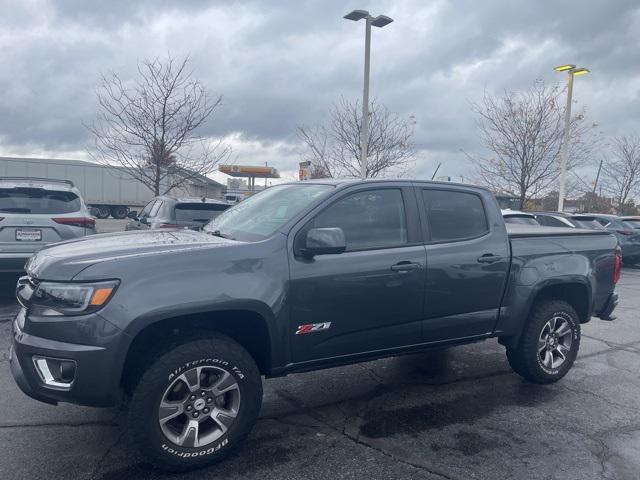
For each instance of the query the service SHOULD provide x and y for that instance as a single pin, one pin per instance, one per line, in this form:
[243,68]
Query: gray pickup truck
[181,325]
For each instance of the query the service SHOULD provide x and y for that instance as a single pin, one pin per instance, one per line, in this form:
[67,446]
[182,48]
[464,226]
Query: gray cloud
[280,64]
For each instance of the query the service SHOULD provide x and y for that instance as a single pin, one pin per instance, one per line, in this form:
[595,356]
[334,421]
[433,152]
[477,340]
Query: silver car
[35,212]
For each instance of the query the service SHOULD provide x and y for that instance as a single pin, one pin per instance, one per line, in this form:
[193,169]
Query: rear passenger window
[369,219]
[552,222]
[454,215]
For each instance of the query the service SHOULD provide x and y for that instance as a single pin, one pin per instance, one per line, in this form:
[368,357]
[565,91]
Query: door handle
[489,258]
[405,267]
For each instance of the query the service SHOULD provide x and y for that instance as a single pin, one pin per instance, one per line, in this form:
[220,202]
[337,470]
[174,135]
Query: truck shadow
[406,396]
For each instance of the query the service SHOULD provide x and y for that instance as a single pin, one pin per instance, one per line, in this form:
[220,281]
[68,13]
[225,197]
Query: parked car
[298,277]
[169,212]
[519,218]
[628,236]
[631,222]
[561,219]
[35,212]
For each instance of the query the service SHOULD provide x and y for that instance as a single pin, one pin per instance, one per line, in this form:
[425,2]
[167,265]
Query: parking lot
[453,414]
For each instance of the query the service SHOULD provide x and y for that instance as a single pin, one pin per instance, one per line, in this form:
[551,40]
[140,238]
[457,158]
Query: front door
[370,297]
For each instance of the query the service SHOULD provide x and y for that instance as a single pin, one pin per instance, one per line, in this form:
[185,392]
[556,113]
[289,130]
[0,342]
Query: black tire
[217,352]
[101,211]
[119,211]
[529,361]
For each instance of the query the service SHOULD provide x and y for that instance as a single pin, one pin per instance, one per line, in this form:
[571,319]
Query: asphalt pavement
[452,414]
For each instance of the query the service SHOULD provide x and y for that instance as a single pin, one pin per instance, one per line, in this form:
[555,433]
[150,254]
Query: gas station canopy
[249,171]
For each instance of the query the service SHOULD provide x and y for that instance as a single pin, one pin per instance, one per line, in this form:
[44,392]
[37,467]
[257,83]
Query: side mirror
[133,214]
[323,241]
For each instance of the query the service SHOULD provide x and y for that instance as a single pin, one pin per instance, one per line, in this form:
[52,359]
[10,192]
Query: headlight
[56,299]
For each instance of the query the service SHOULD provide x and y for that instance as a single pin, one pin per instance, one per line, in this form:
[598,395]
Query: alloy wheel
[199,406]
[554,343]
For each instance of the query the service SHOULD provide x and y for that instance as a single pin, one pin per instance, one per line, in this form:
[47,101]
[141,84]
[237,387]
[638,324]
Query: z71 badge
[312,327]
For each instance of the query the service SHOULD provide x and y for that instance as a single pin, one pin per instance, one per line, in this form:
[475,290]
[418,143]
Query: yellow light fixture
[564,68]
[580,71]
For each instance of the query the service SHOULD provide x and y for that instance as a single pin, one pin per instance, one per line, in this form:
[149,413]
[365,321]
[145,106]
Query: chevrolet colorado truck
[181,325]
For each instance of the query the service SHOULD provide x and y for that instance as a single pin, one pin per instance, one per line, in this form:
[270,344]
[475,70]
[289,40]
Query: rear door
[467,262]
[28,217]
[370,297]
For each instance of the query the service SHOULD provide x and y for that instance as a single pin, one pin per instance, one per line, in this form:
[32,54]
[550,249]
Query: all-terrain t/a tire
[549,343]
[195,403]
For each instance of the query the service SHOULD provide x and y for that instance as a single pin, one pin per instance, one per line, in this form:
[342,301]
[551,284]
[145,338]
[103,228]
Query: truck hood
[63,261]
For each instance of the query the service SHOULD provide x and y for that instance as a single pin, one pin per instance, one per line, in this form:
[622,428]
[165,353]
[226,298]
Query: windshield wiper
[218,233]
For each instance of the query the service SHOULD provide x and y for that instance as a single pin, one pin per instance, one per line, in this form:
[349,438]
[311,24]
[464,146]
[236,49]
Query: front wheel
[549,343]
[195,404]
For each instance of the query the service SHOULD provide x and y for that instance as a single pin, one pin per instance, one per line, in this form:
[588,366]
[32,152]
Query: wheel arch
[575,292]
[247,327]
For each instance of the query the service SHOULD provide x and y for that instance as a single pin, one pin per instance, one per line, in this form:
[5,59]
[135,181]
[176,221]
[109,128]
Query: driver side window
[147,209]
[369,219]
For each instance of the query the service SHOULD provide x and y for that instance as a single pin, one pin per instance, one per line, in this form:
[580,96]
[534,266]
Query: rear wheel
[549,343]
[119,212]
[195,404]
[101,211]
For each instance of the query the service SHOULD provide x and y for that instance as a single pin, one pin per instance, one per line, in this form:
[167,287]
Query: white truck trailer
[107,190]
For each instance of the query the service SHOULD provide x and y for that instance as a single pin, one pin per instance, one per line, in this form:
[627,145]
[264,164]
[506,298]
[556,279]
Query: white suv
[35,212]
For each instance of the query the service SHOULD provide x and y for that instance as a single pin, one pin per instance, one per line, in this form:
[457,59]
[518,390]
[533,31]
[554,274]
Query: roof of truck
[348,181]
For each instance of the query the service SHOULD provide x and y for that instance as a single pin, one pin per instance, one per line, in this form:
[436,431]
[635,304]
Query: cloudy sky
[279,64]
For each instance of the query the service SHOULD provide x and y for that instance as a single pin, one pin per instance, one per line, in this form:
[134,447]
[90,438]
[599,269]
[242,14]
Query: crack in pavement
[96,423]
[302,409]
[627,347]
[599,397]
[104,456]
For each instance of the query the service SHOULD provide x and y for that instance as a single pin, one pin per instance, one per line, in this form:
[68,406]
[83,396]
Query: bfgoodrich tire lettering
[195,403]
[549,343]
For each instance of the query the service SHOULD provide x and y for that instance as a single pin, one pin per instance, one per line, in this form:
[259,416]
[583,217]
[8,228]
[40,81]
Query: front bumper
[609,307]
[13,262]
[97,375]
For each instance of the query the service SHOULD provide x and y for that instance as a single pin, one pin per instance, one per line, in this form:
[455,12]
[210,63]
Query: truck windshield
[262,214]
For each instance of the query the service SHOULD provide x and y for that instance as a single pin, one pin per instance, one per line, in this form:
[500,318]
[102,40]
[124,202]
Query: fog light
[55,372]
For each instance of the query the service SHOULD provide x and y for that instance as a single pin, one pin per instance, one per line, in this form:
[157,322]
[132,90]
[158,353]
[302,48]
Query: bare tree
[150,125]
[622,171]
[523,131]
[334,147]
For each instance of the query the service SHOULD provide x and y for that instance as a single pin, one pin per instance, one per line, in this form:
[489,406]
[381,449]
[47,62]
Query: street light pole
[364,124]
[565,145]
[379,21]
[564,149]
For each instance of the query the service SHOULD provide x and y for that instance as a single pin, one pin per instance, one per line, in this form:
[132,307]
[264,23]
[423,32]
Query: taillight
[87,222]
[617,265]
[169,225]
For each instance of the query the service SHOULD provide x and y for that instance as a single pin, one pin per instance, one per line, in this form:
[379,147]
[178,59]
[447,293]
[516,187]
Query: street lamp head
[564,68]
[356,15]
[579,71]
[381,20]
